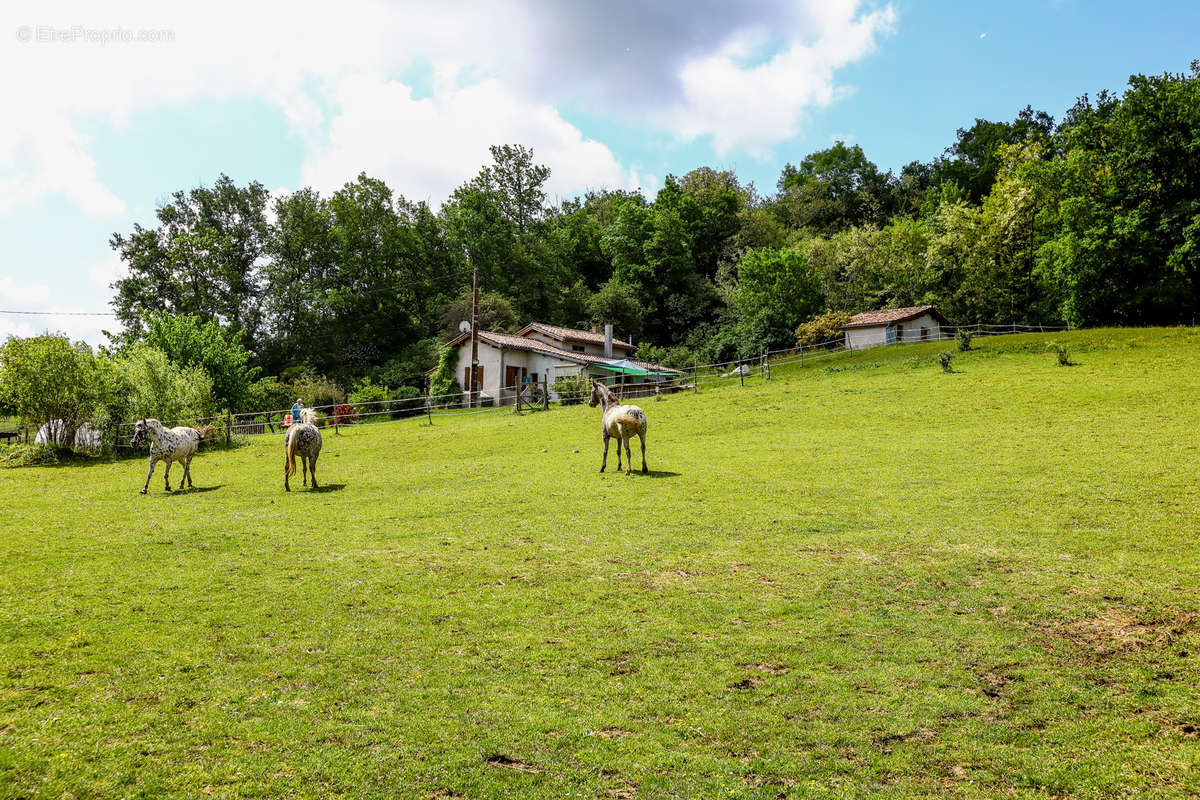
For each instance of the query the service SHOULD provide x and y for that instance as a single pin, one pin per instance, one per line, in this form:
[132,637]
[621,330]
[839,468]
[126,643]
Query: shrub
[406,402]
[443,382]
[317,392]
[373,397]
[1064,358]
[964,340]
[944,358]
[45,378]
[157,388]
[191,341]
[270,394]
[572,389]
[825,330]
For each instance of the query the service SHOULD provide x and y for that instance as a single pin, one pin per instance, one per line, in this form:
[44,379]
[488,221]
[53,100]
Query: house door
[512,377]
[467,387]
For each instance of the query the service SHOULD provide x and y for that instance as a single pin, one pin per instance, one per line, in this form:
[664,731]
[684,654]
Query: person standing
[297,407]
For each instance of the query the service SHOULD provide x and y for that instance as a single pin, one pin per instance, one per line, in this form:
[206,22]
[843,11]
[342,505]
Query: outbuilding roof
[890,316]
[506,341]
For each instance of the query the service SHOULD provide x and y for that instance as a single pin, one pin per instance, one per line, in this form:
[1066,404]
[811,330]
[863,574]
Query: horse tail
[290,445]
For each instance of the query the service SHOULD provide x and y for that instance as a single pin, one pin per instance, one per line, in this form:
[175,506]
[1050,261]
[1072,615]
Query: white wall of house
[489,359]
[494,361]
[910,330]
[907,331]
[862,338]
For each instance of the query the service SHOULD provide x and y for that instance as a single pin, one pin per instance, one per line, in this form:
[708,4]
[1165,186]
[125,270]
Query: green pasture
[863,578]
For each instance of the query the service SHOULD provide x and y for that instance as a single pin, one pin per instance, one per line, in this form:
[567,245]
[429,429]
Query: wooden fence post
[695,378]
[545,391]
[742,371]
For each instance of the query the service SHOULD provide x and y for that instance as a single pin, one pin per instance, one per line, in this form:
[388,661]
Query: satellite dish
[464,326]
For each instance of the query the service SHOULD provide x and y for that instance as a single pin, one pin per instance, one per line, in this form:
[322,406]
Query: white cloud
[23,295]
[501,70]
[754,106]
[105,272]
[428,146]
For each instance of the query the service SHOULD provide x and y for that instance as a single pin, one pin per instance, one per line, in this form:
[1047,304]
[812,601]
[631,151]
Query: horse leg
[304,468]
[167,474]
[628,457]
[312,470]
[604,462]
[642,436]
[619,440]
[148,474]
[188,471]
[187,464]
[286,488]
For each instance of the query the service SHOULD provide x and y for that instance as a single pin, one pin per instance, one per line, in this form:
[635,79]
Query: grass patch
[877,582]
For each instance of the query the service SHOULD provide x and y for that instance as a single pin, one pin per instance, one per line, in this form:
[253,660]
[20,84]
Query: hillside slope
[862,578]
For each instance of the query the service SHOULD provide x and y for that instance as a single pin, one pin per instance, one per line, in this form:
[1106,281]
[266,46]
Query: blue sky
[107,125]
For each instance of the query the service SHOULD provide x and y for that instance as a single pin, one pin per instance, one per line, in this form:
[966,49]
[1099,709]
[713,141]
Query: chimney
[608,340]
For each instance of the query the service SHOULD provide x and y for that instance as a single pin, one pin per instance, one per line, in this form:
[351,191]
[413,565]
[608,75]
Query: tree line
[1091,220]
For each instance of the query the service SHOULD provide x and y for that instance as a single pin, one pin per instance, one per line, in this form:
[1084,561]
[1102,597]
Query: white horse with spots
[168,445]
[620,422]
[304,440]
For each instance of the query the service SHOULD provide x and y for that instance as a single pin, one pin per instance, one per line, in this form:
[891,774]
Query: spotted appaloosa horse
[304,440]
[168,445]
[621,422]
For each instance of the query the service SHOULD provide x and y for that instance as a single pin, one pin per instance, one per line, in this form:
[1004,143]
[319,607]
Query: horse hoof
[143,491]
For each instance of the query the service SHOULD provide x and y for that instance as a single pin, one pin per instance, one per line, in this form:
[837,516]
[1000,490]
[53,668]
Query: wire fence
[532,398]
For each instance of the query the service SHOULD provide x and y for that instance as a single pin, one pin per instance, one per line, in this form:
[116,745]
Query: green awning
[623,367]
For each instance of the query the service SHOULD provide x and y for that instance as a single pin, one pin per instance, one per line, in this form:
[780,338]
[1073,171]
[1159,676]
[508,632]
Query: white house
[912,324]
[540,353]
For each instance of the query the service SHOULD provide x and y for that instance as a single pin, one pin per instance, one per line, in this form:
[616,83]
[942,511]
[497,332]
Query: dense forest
[1094,219]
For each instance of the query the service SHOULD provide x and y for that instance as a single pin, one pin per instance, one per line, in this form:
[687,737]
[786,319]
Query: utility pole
[474,387]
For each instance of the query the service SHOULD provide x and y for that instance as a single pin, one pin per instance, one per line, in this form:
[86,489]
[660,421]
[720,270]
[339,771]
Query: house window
[533,377]
[899,333]
[924,334]
[578,348]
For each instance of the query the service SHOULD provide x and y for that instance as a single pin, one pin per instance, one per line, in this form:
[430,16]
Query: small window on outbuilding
[578,348]
[924,334]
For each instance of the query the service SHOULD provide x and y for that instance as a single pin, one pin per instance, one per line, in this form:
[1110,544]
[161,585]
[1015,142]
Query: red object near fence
[287,420]
[345,415]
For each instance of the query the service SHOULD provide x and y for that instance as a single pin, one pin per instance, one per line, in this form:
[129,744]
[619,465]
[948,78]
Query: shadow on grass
[328,487]
[194,490]
[637,473]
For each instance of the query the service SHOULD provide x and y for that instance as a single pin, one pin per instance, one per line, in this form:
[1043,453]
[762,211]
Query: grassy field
[863,578]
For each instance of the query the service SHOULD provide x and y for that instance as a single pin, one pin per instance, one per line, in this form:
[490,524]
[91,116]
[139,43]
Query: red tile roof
[889,316]
[506,341]
[570,334]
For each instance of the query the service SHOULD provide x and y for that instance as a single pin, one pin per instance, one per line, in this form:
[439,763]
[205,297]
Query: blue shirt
[296,412]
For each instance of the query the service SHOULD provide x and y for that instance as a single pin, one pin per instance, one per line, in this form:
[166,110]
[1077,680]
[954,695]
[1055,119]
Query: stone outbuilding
[891,325]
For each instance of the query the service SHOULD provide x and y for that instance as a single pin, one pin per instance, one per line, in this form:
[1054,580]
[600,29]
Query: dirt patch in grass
[610,733]
[1117,630]
[506,762]
[886,742]
[770,669]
